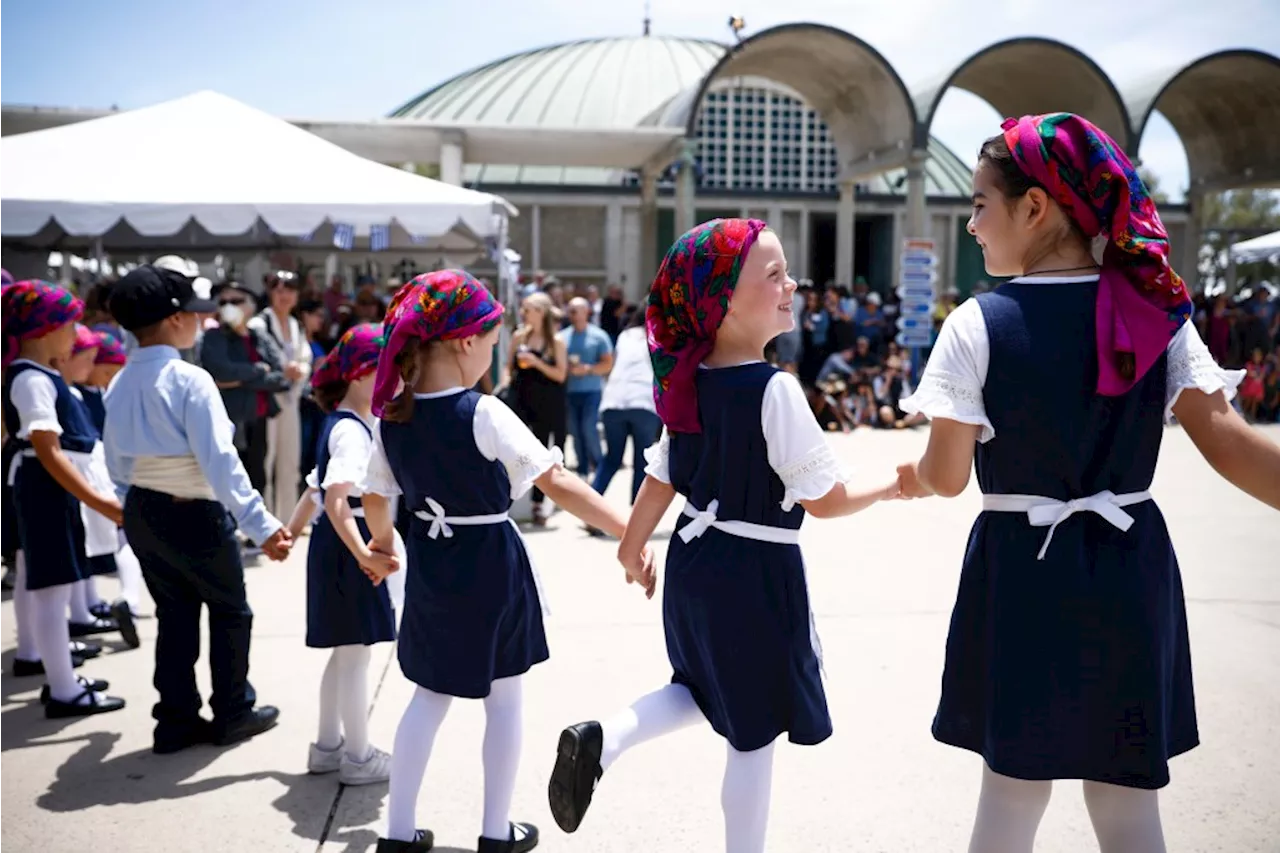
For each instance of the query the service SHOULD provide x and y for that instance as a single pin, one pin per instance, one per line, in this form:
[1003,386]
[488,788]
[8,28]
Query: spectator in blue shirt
[590,360]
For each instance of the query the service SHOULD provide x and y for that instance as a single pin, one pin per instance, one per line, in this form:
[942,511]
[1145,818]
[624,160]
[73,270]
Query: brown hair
[409,364]
[330,394]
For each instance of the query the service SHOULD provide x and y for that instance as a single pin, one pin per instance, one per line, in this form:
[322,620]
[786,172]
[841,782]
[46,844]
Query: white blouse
[797,447]
[35,397]
[349,449]
[956,372]
[500,436]
[630,383]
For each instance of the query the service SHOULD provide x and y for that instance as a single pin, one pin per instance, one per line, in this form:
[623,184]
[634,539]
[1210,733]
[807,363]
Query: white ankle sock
[79,603]
[129,570]
[1009,812]
[668,709]
[744,797]
[1126,820]
[22,615]
[49,609]
[503,731]
[415,736]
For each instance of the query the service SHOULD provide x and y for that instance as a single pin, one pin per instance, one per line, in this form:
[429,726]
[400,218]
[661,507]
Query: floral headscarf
[443,305]
[687,303]
[353,357]
[1141,302]
[110,350]
[33,309]
[86,339]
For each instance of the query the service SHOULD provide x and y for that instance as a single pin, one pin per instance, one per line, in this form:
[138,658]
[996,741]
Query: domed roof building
[760,150]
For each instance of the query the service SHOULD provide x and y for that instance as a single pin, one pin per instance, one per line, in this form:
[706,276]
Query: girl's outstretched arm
[302,512]
[1242,455]
[633,551]
[948,459]
[843,499]
[377,563]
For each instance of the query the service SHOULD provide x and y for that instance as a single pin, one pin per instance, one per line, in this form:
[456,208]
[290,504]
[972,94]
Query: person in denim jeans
[590,360]
[627,409]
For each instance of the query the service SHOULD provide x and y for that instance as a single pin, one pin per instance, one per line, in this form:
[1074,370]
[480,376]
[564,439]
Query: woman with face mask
[248,366]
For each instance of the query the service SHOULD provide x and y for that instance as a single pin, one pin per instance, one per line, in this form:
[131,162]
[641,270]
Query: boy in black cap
[170,453]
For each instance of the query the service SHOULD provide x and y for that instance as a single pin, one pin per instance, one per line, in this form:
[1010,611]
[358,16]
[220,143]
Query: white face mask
[231,315]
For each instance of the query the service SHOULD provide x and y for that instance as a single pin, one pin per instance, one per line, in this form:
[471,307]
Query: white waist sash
[440,523]
[179,476]
[744,529]
[1047,512]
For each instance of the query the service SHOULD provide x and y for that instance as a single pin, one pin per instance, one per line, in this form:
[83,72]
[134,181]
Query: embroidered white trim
[657,459]
[946,395]
[526,469]
[386,486]
[41,425]
[1197,369]
[811,476]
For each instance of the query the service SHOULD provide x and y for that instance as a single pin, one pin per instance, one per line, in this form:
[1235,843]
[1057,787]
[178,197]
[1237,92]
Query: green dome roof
[621,82]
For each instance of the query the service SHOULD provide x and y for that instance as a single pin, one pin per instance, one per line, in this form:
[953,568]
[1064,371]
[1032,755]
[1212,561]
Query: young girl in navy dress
[90,613]
[345,611]
[743,447]
[472,624]
[51,428]
[1068,655]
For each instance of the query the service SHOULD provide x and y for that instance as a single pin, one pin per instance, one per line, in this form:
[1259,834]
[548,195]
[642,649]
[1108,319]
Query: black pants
[252,444]
[545,426]
[190,558]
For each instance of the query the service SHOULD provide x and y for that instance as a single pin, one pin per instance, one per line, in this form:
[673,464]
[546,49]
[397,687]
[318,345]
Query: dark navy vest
[78,433]
[322,448]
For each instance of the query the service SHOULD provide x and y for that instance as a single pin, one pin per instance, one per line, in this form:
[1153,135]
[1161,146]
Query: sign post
[916,293]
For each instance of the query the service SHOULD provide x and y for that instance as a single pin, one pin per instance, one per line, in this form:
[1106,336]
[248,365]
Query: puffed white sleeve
[657,457]
[1191,365]
[501,436]
[378,479]
[35,397]
[951,386]
[350,446]
[797,446]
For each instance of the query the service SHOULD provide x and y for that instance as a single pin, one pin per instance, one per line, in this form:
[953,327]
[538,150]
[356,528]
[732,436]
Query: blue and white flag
[344,236]
[379,238]
[418,239]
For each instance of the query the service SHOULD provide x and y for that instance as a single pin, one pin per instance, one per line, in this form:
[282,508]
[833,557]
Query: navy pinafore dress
[472,612]
[344,608]
[1077,665]
[736,610]
[91,400]
[50,529]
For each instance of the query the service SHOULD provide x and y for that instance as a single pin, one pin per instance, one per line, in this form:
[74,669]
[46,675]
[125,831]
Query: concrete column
[801,264]
[613,242]
[845,215]
[648,230]
[775,220]
[535,236]
[451,158]
[1189,269]
[917,218]
[686,188]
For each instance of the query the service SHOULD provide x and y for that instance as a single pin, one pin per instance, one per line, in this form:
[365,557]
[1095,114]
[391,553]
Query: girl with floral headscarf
[50,428]
[346,612]
[743,447]
[472,623]
[1068,654]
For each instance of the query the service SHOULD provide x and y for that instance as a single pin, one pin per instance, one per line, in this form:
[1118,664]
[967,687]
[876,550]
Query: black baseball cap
[151,293]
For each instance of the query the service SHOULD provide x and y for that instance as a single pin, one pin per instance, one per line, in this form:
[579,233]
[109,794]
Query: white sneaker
[376,768]
[324,760]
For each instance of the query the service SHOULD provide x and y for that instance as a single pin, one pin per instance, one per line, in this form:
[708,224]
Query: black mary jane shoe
[524,837]
[98,704]
[102,610]
[123,617]
[26,668]
[423,840]
[97,626]
[577,770]
[95,684]
[85,651]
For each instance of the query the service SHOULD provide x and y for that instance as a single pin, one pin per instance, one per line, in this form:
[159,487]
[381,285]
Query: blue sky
[330,59]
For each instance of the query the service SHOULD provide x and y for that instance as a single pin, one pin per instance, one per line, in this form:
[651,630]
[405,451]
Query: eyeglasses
[235,300]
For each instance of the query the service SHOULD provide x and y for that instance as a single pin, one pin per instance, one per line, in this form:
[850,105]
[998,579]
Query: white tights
[53,640]
[23,605]
[748,776]
[84,594]
[129,571]
[1125,820]
[344,702]
[416,735]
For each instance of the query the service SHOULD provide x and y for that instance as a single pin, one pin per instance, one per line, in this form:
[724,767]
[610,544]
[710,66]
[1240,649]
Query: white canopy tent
[225,167]
[1258,249]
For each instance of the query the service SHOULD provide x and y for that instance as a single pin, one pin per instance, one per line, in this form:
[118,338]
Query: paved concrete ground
[883,584]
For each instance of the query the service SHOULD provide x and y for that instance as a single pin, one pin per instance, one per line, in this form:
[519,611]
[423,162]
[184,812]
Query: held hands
[641,569]
[909,477]
[378,561]
[110,507]
[278,544]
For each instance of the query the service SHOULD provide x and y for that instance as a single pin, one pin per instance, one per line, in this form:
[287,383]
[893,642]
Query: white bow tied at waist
[704,519]
[440,522]
[1047,512]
